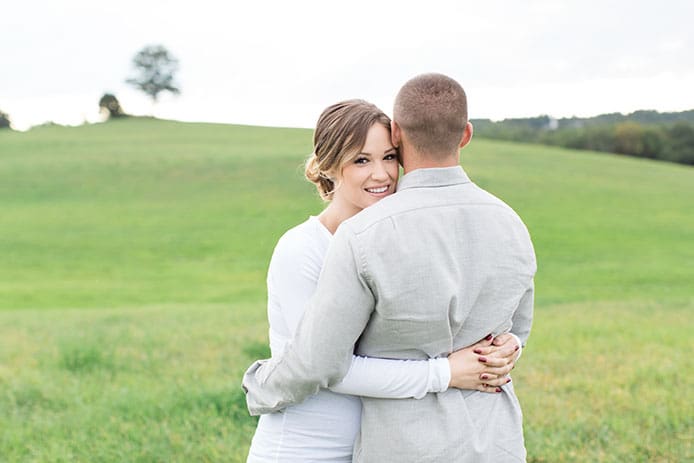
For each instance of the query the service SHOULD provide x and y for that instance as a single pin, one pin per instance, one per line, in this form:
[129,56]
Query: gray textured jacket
[430,269]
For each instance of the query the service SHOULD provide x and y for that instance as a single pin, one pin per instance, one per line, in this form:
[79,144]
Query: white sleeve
[294,272]
[394,379]
[292,278]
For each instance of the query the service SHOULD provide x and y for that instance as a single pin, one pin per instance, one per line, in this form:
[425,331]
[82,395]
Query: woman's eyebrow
[364,153]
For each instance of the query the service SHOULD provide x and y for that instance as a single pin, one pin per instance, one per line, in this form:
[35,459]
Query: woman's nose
[380,172]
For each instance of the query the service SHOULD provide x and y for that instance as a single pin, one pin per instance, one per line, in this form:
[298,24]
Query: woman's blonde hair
[339,136]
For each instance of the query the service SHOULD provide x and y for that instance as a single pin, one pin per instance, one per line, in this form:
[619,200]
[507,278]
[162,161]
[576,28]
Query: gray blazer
[433,268]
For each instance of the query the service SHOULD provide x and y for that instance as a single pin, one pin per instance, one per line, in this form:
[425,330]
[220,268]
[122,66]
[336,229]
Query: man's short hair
[431,109]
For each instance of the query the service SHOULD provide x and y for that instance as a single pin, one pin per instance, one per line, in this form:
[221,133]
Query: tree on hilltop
[109,104]
[156,69]
[4,120]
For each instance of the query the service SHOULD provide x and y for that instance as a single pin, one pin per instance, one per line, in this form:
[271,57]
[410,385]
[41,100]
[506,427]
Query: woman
[354,165]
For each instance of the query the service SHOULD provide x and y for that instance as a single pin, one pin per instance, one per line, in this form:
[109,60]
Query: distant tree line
[645,134]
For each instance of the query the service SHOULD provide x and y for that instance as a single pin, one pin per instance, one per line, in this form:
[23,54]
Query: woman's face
[372,174]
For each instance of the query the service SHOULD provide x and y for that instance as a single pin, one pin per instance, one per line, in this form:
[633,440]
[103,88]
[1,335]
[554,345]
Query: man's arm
[523,316]
[496,355]
[320,352]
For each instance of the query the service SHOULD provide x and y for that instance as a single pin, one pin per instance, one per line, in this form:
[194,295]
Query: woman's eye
[361,161]
[390,157]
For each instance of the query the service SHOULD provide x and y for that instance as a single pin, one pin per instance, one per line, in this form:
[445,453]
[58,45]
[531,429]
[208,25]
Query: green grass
[155,383]
[132,291]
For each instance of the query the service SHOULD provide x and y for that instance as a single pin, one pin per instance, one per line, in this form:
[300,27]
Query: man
[430,269]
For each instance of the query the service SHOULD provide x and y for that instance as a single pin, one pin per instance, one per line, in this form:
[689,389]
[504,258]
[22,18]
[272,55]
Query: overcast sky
[279,63]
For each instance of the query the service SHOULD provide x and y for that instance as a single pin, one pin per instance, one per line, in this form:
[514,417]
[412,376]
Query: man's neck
[413,161]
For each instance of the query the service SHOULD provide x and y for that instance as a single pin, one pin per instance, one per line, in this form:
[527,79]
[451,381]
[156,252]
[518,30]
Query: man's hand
[484,366]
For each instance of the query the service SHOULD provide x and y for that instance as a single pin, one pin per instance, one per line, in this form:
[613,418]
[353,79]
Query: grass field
[132,291]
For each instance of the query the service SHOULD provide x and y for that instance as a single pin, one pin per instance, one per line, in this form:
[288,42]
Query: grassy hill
[132,290]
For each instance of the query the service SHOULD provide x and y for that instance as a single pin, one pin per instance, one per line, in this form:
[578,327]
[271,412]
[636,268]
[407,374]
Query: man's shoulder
[489,198]
[467,195]
[374,214]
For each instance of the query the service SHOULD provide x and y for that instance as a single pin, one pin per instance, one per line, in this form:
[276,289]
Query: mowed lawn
[132,291]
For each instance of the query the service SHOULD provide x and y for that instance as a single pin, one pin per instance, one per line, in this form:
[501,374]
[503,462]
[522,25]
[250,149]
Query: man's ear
[467,135]
[395,134]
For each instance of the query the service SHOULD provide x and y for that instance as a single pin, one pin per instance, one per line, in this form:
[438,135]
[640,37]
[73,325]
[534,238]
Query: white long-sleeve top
[325,426]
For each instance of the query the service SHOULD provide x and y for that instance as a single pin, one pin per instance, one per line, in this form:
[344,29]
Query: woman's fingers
[493,386]
[484,345]
[505,350]
[500,356]
[497,381]
[482,366]
[494,361]
[488,388]
[485,350]
[503,338]
[508,351]
[499,371]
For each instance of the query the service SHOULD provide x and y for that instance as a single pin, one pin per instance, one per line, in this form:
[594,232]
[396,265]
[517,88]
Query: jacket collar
[433,177]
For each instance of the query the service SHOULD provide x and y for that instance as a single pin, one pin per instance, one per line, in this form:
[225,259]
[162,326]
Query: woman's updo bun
[313,174]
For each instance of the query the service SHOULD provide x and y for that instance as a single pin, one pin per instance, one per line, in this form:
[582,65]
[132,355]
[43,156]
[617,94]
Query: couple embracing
[395,317]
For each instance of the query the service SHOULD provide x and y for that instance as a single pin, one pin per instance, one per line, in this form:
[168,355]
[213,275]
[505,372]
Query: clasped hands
[484,366]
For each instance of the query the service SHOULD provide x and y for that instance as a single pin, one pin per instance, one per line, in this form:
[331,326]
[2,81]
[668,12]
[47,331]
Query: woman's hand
[484,366]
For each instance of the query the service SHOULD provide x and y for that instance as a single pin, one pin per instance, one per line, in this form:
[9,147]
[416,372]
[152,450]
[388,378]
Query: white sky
[279,63]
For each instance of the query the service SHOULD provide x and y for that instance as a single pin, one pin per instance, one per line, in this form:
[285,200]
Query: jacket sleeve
[320,352]
[523,316]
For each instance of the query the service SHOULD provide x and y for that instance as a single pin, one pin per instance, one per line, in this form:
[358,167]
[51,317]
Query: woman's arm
[400,379]
[394,379]
[292,278]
